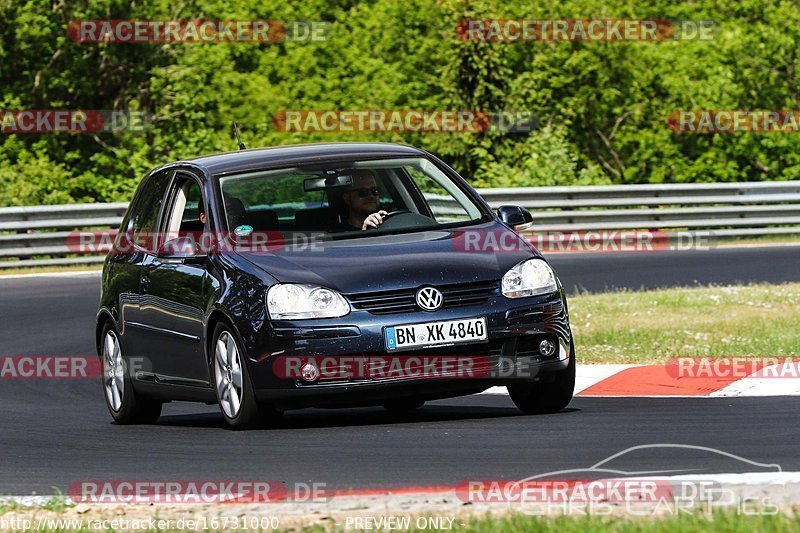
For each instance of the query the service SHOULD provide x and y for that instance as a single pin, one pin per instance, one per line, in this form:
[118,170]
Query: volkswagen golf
[325,275]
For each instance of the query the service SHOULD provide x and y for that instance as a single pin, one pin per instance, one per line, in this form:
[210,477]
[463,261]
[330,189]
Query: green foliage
[546,157]
[601,108]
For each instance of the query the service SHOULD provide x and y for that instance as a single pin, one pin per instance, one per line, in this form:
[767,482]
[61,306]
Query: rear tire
[124,404]
[545,398]
[403,405]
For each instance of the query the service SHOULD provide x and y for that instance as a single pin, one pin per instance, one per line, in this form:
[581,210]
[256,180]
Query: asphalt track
[597,272]
[56,432]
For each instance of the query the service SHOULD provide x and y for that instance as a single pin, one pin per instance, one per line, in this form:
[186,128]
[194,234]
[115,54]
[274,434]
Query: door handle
[145,282]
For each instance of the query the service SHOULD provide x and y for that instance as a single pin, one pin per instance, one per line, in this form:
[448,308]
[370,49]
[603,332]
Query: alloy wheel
[228,374]
[113,371]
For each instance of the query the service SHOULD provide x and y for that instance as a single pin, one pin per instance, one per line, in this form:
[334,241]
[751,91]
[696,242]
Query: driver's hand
[374,220]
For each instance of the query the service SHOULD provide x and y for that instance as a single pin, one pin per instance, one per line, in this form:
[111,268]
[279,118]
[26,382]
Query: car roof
[299,154]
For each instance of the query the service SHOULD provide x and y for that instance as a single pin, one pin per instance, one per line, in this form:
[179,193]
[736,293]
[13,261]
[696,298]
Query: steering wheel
[398,219]
[391,214]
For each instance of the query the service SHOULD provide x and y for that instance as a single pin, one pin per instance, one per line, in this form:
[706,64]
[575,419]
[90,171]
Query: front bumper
[515,328]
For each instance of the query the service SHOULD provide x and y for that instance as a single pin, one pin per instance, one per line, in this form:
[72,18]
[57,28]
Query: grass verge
[763,239]
[653,326]
[718,522]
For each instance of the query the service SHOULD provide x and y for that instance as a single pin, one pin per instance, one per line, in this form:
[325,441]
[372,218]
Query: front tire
[545,398]
[235,395]
[125,406]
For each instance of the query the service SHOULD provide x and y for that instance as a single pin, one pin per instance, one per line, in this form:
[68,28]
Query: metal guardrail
[35,236]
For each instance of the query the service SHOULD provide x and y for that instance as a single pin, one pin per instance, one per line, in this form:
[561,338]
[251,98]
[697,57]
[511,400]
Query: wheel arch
[103,317]
[216,317]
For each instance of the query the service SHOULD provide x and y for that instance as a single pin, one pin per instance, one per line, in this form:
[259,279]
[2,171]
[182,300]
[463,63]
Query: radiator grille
[404,300]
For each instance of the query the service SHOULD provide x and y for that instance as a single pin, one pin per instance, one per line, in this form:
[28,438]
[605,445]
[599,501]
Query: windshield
[406,195]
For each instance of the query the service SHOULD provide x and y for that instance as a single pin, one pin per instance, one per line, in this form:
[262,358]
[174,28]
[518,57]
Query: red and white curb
[662,381]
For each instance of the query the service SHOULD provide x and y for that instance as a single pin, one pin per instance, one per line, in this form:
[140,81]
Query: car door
[138,240]
[174,292]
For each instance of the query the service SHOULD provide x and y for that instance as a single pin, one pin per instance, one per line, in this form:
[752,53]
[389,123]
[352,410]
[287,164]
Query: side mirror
[182,249]
[516,217]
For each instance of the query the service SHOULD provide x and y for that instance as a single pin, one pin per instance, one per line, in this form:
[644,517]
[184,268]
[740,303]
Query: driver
[362,199]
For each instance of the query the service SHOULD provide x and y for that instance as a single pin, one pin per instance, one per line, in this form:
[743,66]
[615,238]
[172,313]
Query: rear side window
[194,206]
[148,207]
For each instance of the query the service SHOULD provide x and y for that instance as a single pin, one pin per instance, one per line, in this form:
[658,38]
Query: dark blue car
[326,275]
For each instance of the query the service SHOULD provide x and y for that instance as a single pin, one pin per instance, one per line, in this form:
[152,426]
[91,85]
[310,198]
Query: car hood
[409,260]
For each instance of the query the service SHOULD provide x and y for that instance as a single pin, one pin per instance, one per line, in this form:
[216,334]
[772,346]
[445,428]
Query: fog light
[309,372]
[547,348]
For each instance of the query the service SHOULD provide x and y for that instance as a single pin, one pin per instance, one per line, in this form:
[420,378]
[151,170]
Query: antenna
[238,137]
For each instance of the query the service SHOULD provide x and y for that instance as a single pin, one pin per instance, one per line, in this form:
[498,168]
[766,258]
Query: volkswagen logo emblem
[429,299]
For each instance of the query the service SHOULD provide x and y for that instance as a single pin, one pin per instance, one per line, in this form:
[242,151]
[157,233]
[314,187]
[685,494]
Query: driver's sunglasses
[363,192]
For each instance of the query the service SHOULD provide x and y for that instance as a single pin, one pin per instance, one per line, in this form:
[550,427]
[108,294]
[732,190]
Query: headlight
[288,301]
[529,278]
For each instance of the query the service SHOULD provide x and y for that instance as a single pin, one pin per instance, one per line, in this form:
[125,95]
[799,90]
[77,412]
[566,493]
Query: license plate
[429,334]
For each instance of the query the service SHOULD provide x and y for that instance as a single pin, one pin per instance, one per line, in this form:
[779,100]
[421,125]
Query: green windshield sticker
[243,231]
